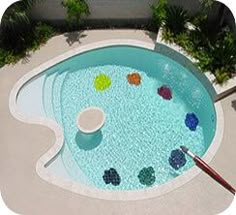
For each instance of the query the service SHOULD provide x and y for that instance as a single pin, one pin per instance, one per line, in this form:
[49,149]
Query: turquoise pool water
[141,127]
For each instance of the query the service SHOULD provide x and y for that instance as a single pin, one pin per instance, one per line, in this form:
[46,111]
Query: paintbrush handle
[212,173]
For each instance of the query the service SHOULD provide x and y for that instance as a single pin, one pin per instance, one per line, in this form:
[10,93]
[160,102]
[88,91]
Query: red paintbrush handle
[206,168]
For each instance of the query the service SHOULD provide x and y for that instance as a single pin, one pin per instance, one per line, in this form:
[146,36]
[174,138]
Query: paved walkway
[21,145]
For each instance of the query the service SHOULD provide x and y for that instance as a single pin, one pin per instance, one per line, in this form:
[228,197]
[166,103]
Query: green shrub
[224,52]
[168,36]
[75,10]
[213,46]
[198,19]
[221,75]
[41,34]
[18,33]
[204,60]
[38,36]
[159,12]
[16,25]
[176,19]
[184,40]
[3,55]
[199,39]
[7,57]
[207,4]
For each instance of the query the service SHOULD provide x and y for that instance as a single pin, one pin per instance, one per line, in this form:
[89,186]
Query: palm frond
[27,4]
[176,19]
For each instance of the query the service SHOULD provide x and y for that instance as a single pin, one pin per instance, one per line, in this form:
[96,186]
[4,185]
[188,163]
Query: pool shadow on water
[88,141]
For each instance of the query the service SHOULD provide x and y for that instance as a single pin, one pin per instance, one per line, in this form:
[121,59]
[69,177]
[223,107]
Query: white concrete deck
[22,145]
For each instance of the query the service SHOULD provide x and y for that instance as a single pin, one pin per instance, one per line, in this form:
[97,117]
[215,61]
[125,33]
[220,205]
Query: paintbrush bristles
[184,149]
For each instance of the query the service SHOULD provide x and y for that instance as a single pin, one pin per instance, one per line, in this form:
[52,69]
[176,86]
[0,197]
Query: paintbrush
[207,169]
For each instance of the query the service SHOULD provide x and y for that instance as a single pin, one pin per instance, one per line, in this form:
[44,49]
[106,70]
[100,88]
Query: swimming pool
[142,127]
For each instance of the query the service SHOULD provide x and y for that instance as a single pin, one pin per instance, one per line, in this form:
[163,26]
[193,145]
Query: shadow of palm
[74,37]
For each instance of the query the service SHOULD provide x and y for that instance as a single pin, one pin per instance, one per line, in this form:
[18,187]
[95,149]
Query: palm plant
[207,8]
[207,3]
[176,19]
[159,12]
[75,10]
[224,52]
[27,4]
[16,24]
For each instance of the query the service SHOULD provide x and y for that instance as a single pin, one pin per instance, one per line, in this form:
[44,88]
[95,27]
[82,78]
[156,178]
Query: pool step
[70,164]
[56,95]
[67,158]
[52,88]
[47,93]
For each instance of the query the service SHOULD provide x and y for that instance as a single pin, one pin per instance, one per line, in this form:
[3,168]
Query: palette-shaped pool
[146,97]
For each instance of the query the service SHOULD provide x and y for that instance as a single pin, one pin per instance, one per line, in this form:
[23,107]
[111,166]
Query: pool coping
[221,90]
[45,160]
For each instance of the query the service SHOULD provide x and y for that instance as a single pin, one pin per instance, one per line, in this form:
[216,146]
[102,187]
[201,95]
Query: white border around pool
[45,160]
